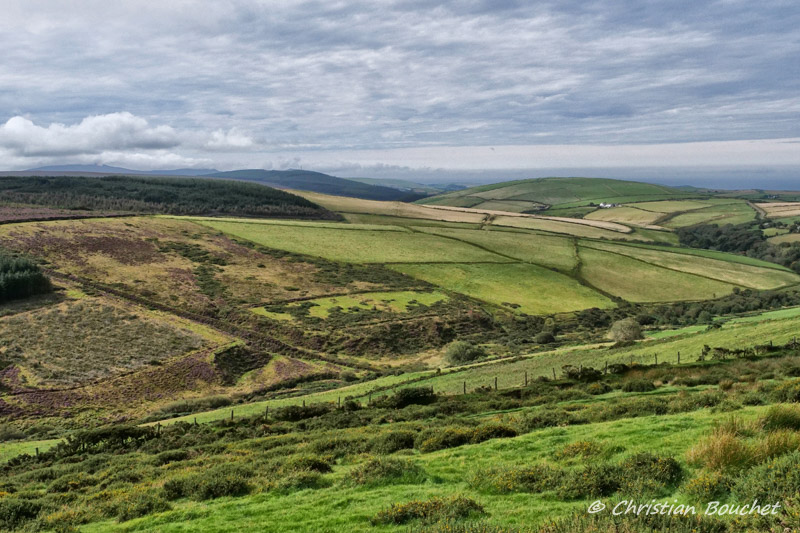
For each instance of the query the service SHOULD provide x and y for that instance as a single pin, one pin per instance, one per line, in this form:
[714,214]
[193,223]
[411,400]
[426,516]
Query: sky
[472,90]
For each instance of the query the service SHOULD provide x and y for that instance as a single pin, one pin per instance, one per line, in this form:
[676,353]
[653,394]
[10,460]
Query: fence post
[606,369]
[195,421]
[37,452]
[526,378]
[304,403]
[679,357]
[266,413]
[340,401]
[656,359]
[231,414]
[495,383]
[465,387]
[554,373]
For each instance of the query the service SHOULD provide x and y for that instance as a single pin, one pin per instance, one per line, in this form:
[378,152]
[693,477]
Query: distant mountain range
[303,180]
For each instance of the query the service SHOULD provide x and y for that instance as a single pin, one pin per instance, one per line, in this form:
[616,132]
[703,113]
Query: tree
[625,330]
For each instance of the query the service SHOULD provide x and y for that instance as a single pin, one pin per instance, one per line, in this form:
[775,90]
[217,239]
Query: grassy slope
[563,192]
[637,281]
[534,289]
[347,509]
[356,245]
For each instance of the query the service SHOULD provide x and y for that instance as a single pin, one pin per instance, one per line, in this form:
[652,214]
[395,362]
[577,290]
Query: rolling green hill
[305,180]
[544,193]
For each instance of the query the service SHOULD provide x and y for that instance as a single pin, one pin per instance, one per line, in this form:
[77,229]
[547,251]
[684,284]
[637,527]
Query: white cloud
[93,135]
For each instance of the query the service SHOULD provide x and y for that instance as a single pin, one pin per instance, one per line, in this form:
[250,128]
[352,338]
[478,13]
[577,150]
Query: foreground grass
[341,508]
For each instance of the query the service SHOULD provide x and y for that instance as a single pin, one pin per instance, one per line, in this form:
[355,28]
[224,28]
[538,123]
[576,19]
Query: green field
[528,288]
[638,281]
[625,215]
[558,192]
[395,302]
[356,245]
[546,250]
[738,213]
[735,273]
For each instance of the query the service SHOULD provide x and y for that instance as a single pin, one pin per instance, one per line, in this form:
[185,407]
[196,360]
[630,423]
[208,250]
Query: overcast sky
[405,88]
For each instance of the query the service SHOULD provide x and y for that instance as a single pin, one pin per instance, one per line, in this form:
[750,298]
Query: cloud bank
[256,83]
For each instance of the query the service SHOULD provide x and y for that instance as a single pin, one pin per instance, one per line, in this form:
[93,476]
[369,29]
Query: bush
[598,388]
[170,456]
[385,470]
[492,431]
[787,392]
[582,448]
[625,330]
[138,504]
[595,480]
[446,437]
[463,352]
[433,510]
[308,463]
[545,337]
[408,396]
[638,385]
[393,441]
[664,470]
[774,481]
[708,486]
[15,512]
[215,482]
[534,479]
[782,417]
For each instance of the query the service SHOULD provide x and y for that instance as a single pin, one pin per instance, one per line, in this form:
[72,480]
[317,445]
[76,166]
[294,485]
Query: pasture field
[355,245]
[736,273]
[781,209]
[563,227]
[626,215]
[541,249]
[560,192]
[788,237]
[673,206]
[638,281]
[527,288]
[738,213]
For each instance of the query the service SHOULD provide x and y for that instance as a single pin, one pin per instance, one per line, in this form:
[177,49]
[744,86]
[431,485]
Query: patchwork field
[527,288]
[639,281]
[781,209]
[737,213]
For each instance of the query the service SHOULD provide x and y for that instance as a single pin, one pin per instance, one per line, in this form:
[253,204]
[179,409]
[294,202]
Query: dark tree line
[177,196]
[20,278]
[746,239]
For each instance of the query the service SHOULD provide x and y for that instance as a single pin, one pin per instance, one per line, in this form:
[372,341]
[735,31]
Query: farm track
[255,340]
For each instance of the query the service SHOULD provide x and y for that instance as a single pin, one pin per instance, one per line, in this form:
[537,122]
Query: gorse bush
[638,385]
[772,481]
[392,441]
[214,482]
[708,486]
[386,470]
[594,480]
[523,478]
[463,352]
[581,448]
[782,417]
[433,510]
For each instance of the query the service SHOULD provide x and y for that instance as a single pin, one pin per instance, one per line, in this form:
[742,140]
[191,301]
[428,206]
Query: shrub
[15,512]
[594,480]
[384,470]
[708,486]
[294,413]
[774,481]
[214,482]
[598,388]
[528,478]
[308,463]
[625,330]
[72,482]
[782,417]
[787,392]
[463,352]
[446,437]
[392,441]
[137,504]
[492,431]
[582,448]
[409,396]
[170,456]
[664,470]
[545,337]
[722,451]
[432,510]
[638,385]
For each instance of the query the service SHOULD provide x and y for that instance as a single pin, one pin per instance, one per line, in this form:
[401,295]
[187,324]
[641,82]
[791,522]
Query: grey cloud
[246,75]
